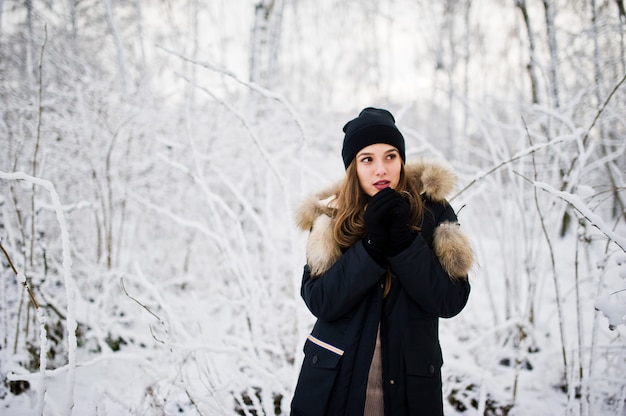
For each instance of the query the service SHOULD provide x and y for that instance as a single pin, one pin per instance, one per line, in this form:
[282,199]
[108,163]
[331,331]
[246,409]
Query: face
[378,167]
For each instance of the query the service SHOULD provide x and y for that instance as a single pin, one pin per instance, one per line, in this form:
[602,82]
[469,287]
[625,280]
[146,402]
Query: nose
[380,170]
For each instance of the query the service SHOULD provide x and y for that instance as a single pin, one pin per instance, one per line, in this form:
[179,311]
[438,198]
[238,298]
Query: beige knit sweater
[374,404]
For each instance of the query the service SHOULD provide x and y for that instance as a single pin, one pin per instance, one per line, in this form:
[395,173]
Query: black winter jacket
[344,291]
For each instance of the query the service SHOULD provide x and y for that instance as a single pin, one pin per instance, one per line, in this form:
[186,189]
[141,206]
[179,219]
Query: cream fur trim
[307,212]
[437,180]
[321,249]
[453,249]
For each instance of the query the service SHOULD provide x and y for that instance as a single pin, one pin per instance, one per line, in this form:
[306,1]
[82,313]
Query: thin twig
[136,301]
[31,294]
[37,140]
[253,86]
[601,110]
[253,136]
[8,258]
[581,380]
[193,402]
[588,131]
[529,151]
[43,350]
[585,212]
[552,262]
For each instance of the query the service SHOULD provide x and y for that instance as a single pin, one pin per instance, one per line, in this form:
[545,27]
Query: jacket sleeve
[335,293]
[426,282]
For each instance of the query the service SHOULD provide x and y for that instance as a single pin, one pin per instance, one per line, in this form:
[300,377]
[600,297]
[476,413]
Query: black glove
[400,234]
[377,221]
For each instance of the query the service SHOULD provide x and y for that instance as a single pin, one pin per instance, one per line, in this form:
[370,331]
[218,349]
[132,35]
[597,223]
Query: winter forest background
[152,154]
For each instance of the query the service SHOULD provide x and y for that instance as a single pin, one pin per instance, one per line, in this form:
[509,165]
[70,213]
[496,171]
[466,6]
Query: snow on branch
[43,337]
[255,139]
[253,86]
[612,309]
[576,203]
[68,278]
[522,153]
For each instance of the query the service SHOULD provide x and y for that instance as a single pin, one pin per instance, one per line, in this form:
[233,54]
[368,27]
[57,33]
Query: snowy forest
[152,154]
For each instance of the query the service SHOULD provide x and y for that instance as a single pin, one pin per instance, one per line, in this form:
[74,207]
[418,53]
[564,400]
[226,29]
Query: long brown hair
[351,200]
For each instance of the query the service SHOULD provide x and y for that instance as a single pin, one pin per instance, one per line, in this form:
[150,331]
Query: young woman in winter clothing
[385,260]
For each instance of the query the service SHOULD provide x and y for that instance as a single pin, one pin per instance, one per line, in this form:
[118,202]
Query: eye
[366,159]
[391,156]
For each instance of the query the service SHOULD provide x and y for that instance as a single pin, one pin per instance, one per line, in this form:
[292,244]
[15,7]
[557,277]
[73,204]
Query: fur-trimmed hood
[436,180]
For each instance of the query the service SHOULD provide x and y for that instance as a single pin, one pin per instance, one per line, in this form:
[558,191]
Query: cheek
[364,179]
[396,173]
[361,174]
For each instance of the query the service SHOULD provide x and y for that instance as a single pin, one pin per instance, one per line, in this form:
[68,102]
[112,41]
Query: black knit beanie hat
[373,125]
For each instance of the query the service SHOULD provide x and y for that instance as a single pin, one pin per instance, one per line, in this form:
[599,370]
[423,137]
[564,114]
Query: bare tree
[532,60]
[119,45]
[552,47]
[265,41]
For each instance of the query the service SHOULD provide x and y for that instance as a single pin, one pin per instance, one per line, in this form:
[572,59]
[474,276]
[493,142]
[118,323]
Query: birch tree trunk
[463,154]
[29,42]
[450,26]
[193,16]
[265,42]
[264,49]
[121,55]
[74,26]
[554,59]
[274,43]
[532,62]
[258,42]
[139,19]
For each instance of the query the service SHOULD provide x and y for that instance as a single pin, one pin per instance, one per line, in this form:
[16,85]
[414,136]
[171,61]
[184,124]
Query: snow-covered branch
[518,155]
[612,309]
[70,287]
[576,203]
[253,86]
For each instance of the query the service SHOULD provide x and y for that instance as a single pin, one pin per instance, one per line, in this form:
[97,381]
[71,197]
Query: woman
[385,260]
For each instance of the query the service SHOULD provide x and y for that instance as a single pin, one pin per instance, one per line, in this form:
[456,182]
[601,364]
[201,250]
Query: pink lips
[381,185]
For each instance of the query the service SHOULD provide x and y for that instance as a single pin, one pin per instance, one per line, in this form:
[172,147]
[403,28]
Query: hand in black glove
[377,221]
[400,234]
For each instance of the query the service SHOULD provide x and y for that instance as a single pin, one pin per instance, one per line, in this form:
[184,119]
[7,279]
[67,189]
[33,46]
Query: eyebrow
[371,153]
